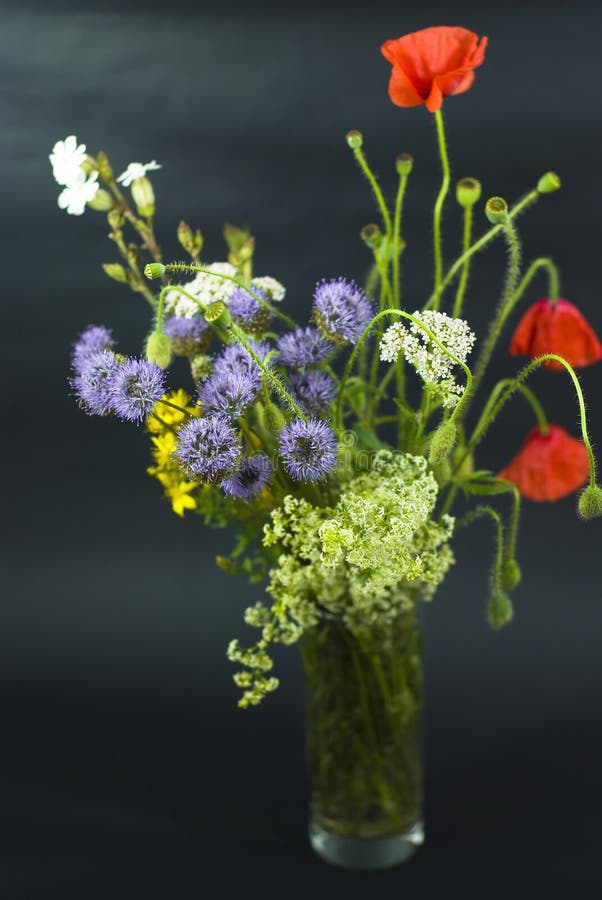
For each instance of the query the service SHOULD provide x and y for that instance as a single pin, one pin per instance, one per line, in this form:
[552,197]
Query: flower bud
[511,574]
[158,349]
[192,242]
[218,314]
[496,210]
[468,192]
[442,472]
[355,139]
[115,219]
[116,272]
[144,196]
[549,183]
[200,367]
[372,236]
[404,163]
[154,270]
[104,167]
[102,201]
[442,442]
[590,502]
[499,610]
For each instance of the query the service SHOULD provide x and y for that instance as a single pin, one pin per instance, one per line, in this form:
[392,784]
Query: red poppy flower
[548,466]
[431,64]
[556,327]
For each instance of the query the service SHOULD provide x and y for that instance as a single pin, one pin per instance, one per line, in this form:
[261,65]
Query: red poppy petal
[401,90]
[451,83]
[548,467]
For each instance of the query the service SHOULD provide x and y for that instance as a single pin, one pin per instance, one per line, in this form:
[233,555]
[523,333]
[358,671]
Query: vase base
[359,853]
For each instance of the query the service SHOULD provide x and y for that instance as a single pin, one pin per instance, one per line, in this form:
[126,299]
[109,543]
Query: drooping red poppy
[431,64]
[556,326]
[548,466]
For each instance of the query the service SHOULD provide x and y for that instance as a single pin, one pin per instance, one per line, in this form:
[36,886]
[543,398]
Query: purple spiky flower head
[341,309]
[94,380]
[93,339]
[208,448]
[136,385]
[308,449]
[229,392]
[187,336]
[313,391]
[303,347]
[247,311]
[235,357]
[249,479]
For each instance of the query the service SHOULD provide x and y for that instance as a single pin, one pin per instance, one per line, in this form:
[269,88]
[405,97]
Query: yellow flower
[170,416]
[178,491]
[164,446]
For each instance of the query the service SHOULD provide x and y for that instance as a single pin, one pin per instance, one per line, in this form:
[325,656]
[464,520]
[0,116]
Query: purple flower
[93,339]
[247,311]
[308,449]
[234,358]
[249,479]
[229,392]
[136,385]
[303,347]
[187,336]
[341,309]
[208,448]
[313,391]
[93,382]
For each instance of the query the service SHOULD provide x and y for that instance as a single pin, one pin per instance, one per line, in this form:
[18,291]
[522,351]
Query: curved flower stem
[512,530]
[183,267]
[403,182]
[400,313]
[466,239]
[480,244]
[439,205]
[378,194]
[499,545]
[543,262]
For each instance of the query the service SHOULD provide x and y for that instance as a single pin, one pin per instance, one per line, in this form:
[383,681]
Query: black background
[127,770]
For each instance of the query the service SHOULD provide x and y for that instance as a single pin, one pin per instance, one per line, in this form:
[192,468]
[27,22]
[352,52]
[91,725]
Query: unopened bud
[496,210]
[158,349]
[499,610]
[200,367]
[404,163]
[154,270]
[372,236]
[101,201]
[511,574]
[468,192]
[354,139]
[442,472]
[115,219]
[549,183]
[192,242]
[590,502]
[144,196]
[104,167]
[218,314]
[442,442]
[116,272]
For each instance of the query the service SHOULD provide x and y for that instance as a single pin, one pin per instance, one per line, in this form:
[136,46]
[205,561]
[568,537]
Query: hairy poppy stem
[445,182]
[466,239]
[478,513]
[543,262]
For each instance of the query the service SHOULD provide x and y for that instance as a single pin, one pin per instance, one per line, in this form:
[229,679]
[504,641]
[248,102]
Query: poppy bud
[549,183]
[590,502]
[404,163]
[511,574]
[354,139]
[499,610]
[442,442]
[372,236]
[144,196]
[442,472]
[496,210]
[154,270]
[218,314]
[158,349]
[468,192]
[102,201]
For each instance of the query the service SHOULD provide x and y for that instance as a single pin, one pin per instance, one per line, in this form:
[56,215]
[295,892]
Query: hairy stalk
[478,513]
[445,181]
[463,282]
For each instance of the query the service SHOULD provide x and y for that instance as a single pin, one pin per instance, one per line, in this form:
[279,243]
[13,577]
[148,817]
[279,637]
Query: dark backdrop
[127,770]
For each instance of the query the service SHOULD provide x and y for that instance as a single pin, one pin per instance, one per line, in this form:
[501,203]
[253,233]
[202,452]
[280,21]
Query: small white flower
[207,288]
[76,195]
[137,170]
[66,159]
[275,291]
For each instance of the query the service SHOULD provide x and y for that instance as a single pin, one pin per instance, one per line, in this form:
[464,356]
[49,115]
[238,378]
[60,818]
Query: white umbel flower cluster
[434,366]
[275,291]
[209,289]
[66,160]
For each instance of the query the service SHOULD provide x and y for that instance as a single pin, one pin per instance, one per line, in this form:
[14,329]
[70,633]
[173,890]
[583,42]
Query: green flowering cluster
[365,560]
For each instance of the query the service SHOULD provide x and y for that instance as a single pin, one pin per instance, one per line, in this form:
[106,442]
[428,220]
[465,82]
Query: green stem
[445,181]
[378,194]
[462,283]
[403,181]
[499,544]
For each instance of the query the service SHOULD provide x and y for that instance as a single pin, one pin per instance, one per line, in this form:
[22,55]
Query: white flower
[66,159]
[74,197]
[137,170]
[207,288]
[431,363]
[275,291]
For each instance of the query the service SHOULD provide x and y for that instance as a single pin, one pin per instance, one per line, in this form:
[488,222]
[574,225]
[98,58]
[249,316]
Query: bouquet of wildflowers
[336,448]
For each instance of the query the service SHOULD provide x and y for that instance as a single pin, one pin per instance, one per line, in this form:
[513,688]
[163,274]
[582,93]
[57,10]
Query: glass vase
[363,719]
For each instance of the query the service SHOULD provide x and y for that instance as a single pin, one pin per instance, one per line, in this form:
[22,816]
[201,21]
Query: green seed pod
[442,442]
[549,183]
[116,272]
[404,163]
[218,314]
[354,139]
[158,349]
[101,202]
[468,192]
[372,236]
[499,610]
[590,502]
[511,574]
[144,196]
[154,270]
[496,210]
